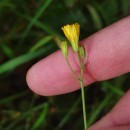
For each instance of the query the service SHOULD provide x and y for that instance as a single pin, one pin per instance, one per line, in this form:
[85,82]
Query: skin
[108,56]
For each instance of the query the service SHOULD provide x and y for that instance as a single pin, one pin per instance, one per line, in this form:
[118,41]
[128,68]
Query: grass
[28,31]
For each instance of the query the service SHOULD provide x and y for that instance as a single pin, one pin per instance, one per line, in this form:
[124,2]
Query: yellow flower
[72,33]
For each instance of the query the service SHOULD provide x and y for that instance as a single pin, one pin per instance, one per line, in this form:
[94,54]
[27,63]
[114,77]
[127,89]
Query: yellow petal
[72,34]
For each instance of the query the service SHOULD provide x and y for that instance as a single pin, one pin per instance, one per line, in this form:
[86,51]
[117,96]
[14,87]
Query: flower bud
[82,52]
[64,48]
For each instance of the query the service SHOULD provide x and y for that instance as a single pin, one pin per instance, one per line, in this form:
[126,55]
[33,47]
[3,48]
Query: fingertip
[40,76]
[52,76]
[32,81]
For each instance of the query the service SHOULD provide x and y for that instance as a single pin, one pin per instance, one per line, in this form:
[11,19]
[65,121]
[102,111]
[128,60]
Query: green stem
[81,81]
[84,106]
[76,76]
[82,90]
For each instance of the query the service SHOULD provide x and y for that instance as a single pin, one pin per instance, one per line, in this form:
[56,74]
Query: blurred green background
[28,29]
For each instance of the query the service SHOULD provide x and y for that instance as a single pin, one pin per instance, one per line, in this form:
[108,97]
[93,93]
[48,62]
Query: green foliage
[27,34]
[13,63]
[41,118]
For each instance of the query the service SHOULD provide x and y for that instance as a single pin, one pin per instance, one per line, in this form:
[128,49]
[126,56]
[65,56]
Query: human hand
[108,55]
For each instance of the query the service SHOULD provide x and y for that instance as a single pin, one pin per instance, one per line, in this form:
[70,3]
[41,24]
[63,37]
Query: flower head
[72,33]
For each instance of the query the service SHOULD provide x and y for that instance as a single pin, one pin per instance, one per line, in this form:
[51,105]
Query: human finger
[108,55]
[118,116]
[118,128]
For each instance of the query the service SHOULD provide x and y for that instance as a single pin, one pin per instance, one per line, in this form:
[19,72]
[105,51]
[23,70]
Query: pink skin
[108,56]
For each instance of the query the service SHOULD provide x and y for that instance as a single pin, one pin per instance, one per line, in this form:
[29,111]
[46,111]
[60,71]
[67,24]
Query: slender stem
[84,106]
[76,76]
[82,90]
[81,81]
